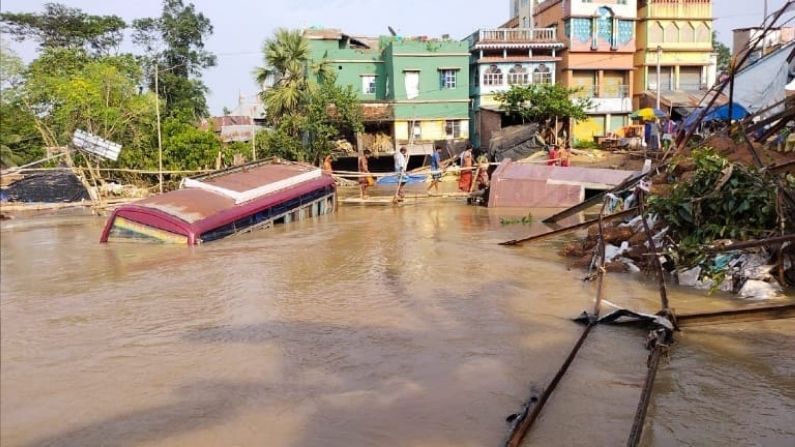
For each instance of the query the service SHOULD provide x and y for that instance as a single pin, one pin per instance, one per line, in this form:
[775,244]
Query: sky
[241,26]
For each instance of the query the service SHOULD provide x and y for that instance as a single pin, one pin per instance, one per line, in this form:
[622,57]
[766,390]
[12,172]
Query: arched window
[518,75]
[671,33]
[656,33]
[688,33]
[542,75]
[605,23]
[492,76]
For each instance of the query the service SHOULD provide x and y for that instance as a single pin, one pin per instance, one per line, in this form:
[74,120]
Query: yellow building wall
[430,130]
[586,130]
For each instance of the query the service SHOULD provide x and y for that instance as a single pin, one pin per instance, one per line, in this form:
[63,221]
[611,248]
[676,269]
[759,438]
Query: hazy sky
[242,25]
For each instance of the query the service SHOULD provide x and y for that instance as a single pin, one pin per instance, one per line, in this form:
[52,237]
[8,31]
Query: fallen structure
[56,186]
[515,142]
[222,204]
[524,185]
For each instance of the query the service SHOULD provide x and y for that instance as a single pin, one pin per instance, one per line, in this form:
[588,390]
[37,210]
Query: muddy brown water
[375,326]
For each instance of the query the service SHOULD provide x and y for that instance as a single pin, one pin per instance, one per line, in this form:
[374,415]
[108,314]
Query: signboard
[96,145]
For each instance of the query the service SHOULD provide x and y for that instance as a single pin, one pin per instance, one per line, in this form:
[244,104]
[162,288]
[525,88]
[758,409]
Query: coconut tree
[286,57]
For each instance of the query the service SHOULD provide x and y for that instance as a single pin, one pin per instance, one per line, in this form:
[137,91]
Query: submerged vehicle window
[125,230]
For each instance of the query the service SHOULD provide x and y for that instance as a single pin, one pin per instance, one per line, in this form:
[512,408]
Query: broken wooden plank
[752,244]
[586,224]
[763,313]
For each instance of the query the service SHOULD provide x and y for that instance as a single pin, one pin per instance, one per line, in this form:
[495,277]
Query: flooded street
[375,326]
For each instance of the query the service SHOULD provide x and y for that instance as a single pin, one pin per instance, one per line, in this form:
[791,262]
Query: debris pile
[698,208]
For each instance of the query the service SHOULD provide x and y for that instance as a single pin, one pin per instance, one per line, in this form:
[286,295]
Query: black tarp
[47,187]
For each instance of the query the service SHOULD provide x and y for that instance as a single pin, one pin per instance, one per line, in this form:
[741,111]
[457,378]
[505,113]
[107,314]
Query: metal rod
[722,85]
[521,429]
[571,228]
[764,313]
[659,81]
[627,183]
[732,69]
[159,134]
[645,397]
[653,247]
[753,244]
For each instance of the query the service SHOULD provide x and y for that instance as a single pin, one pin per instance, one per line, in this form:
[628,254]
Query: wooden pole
[159,134]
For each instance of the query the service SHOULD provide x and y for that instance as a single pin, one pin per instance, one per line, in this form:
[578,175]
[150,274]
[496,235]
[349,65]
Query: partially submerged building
[225,203]
[524,185]
[412,89]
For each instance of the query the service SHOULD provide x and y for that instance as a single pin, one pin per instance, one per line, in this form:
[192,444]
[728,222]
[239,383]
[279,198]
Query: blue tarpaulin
[410,179]
[720,113]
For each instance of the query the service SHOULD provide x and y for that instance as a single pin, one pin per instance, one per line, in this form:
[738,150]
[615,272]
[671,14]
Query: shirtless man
[364,168]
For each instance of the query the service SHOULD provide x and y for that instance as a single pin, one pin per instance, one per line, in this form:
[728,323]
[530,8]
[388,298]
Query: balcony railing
[515,35]
[608,91]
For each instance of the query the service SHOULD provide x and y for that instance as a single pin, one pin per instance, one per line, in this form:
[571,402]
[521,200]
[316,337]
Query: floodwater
[376,326]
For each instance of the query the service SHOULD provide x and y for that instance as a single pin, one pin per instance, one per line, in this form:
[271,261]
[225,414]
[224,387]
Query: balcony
[607,91]
[611,98]
[514,38]
[675,9]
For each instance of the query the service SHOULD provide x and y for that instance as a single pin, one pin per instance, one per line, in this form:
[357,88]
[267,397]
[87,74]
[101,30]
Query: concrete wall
[429,59]
[351,64]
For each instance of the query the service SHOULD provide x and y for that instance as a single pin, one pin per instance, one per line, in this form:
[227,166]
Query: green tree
[306,109]
[724,54]
[187,148]
[62,27]
[175,41]
[66,90]
[19,141]
[543,102]
[286,57]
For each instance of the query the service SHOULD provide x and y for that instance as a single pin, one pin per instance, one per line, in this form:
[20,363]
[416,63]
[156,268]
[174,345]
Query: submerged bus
[222,204]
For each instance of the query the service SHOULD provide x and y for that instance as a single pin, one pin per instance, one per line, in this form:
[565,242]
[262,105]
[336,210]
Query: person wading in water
[365,181]
[401,163]
[465,180]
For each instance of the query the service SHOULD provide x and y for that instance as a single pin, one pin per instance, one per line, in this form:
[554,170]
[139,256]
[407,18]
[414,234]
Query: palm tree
[286,57]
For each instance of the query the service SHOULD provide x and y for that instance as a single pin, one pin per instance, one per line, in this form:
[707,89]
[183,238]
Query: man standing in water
[364,168]
[436,170]
[465,179]
[401,163]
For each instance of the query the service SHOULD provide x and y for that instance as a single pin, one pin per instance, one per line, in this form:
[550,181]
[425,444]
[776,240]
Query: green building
[412,89]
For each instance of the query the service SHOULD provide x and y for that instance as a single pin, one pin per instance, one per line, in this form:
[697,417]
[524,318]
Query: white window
[415,130]
[448,78]
[542,75]
[368,85]
[412,81]
[518,75]
[452,128]
[492,76]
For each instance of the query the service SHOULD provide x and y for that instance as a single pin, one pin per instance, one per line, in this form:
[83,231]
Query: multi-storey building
[598,58]
[412,89]
[522,11]
[677,35]
[501,58]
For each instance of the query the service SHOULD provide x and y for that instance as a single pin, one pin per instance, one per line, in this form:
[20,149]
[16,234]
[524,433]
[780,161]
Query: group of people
[471,168]
[557,156]
[659,134]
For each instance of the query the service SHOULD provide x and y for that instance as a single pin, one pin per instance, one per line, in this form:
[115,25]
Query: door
[690,78]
